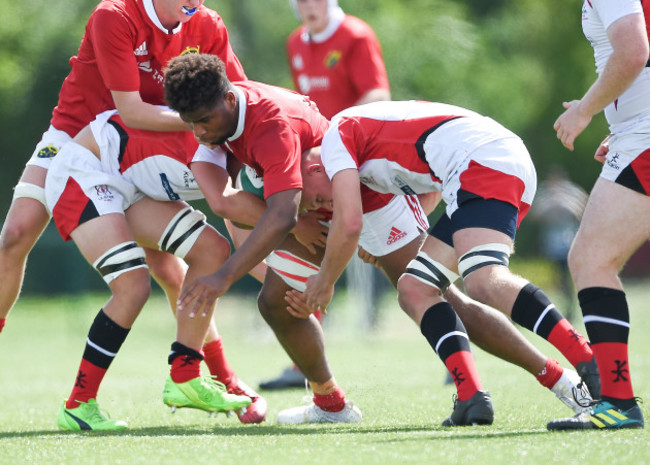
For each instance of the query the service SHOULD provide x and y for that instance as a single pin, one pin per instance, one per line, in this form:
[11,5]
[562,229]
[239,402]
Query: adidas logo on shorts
[395,235]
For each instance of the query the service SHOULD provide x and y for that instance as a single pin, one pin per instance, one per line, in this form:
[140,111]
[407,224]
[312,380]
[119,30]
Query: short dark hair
[195,81]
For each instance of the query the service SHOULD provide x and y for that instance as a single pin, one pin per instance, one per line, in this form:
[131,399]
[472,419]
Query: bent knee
[132,288]
[411,293]
[18,237]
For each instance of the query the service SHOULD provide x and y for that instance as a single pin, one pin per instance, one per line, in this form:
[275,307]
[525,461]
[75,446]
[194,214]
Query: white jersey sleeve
[334,153]
[216,156]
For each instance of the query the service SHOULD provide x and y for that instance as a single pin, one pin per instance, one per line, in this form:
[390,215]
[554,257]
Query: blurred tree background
[516,61]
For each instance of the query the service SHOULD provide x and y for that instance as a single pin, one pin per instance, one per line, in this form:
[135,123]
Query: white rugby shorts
[48,147]
[385,230]
[628,161]
[75,180]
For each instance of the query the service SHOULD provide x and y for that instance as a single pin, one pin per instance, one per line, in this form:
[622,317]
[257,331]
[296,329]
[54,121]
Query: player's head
[314,14]
[316,185]
[197,88]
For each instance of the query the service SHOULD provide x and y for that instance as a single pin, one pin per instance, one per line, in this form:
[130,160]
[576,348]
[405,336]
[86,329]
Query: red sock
[614,366]
[185,368]
[2,323]
[570,343]
[89,377]
[333,402]
[215,358]
[463,371]
[550,374]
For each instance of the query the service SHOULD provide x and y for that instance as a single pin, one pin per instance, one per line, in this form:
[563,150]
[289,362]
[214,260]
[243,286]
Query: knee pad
[293,270]
[120,259]
[483,255]
[30,191]
[182,232]
[430,272]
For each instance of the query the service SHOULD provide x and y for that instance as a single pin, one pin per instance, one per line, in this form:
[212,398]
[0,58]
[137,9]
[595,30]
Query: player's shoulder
[295,37]
[356,27]
[206,15]
[123,7]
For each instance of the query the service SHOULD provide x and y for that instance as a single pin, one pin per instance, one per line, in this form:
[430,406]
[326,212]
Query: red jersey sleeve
[112,39]
[366,67]
[277,150]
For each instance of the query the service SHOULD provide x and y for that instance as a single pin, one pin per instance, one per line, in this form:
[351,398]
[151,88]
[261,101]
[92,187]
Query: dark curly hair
[195,81]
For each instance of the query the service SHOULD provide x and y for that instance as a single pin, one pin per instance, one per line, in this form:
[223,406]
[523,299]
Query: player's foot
[603,415]
[204,393]
[289,378]
[256,411]
[588,371]
[87,416]
[573,392]
[314,414]
[476,410]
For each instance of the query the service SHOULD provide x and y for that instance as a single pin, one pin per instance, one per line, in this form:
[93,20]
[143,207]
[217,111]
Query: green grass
[391,374]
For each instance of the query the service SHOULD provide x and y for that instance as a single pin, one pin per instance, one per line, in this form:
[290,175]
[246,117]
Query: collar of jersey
[151,12]
[336,18]
[241,101]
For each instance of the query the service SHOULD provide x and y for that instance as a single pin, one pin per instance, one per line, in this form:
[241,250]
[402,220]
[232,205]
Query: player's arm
[629,41]
[138,114]
[374,95]
[273,226]
[224,200]
[342,238]
[113,41]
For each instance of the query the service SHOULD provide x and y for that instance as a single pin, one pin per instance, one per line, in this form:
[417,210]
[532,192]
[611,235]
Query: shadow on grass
[276,430]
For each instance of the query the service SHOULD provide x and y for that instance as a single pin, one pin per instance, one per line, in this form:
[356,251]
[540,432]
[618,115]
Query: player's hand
[310,232]
[201,295]
[298,306]
[367,257]
[318,293]
[602,150]
[571,123]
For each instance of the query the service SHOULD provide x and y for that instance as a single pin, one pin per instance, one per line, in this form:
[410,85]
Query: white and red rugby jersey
[125,48]
[416,147]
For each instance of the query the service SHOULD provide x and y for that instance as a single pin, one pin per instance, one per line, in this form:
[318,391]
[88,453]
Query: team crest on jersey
[49,151]
[103,193]
[332,58]
[191,50]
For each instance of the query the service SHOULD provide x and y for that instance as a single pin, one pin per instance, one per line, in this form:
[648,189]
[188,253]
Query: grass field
[391,374]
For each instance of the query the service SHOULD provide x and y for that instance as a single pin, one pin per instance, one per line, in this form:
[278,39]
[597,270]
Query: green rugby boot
[603,415]
[87,417]
[203,393]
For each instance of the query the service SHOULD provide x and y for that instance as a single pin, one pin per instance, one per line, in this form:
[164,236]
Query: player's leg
[419,294]
[87,206]
[302,339]
[493,332]
[23,225]
[603,244]
[177,228]
[121,262]
[483,237]
[26,219]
